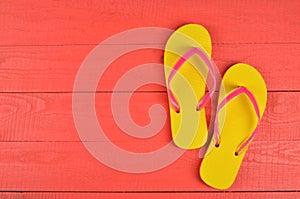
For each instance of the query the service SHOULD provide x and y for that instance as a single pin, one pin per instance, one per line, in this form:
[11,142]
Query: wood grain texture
[44,152]
[61,166]
[48,117]
[89,22]
[54,68]
[42,45]
[226,195]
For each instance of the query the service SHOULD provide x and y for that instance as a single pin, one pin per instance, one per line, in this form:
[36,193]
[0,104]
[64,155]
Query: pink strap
[233,94]
[180,63]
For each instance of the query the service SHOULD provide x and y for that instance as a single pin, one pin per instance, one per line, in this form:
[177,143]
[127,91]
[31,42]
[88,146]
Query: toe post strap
[204,100]
[236,92]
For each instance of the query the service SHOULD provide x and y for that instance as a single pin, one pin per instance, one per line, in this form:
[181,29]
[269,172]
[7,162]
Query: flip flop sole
[236,121]
[189,129]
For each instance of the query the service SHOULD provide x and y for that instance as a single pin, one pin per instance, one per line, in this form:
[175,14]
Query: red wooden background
[43,43]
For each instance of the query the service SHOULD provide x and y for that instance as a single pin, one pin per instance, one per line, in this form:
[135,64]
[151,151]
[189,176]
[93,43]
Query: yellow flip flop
[242,101]
[187,64]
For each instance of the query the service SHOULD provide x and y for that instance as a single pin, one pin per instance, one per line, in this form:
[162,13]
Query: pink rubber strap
[180,63]
[233,94]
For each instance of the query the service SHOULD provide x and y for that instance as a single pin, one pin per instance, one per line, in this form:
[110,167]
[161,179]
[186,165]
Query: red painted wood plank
[63,22]
[54,68]
[226,195]
[61,166]
[48,117]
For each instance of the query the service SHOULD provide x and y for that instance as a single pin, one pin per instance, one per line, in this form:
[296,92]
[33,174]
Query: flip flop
[242,101]
[187,50]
